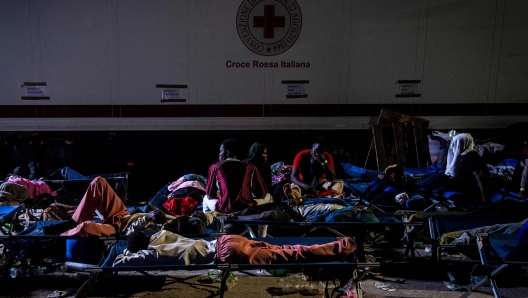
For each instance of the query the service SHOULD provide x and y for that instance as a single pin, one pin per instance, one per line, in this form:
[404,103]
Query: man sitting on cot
[466,172]
[232,184]
[101,197]
[313,170]
[166,247]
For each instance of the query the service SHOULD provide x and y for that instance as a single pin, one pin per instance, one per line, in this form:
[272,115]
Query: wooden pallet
[400,139]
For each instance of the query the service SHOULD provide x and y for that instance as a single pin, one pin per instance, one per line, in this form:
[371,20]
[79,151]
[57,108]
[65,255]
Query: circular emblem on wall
[269,27]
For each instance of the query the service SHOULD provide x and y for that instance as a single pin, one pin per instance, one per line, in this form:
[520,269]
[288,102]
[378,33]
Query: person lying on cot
[466,172]
[168,248]
[313,170]
[392,189]
[232,184]
[116,218]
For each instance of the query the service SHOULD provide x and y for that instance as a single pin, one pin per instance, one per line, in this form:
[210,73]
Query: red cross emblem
[269,27]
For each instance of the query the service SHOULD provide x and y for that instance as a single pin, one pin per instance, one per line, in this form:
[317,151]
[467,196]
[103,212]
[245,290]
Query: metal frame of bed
[483,260]
[437,229]
[112,241]
[226,268]
[109,177]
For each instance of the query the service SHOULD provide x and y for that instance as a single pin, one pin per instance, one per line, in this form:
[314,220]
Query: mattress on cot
[424,172]
[356,188]
[450,223]
[503,244]
[77,183]
[387,223]
[451,196]
[446,194]
[359,173]
[33,244]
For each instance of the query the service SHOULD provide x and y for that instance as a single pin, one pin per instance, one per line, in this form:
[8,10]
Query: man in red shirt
[233,185]
[313,170]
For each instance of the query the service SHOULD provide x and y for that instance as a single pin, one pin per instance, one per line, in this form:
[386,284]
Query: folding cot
[359,229]
[71,181]
[421,173]
[80,183]
[358,175]
[451,200]
[503,177]
[33,246]
[7,215]
[117,244]
[349,268]
[442,223]
[501,245]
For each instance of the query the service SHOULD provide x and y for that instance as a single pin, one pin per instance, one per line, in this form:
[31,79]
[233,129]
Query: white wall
[115,52]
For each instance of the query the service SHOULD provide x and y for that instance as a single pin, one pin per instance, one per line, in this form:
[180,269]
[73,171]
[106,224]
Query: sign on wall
[171,93]
[35,91]
[296,89]
[408,88]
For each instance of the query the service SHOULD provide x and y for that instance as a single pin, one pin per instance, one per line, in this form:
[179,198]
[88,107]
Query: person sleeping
[166,247]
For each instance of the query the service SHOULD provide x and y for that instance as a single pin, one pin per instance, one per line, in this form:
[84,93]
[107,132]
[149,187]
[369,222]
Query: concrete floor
[394,279]
[177,284]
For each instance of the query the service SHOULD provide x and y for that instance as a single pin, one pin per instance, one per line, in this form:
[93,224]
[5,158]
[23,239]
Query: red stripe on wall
[269,110]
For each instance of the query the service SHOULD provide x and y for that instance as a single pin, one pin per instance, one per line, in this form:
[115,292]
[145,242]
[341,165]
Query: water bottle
[16,272]
[216,277]
[280,272]
[300,283]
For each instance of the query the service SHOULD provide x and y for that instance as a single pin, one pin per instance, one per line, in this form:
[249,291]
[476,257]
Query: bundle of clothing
[186,194]
[19,189]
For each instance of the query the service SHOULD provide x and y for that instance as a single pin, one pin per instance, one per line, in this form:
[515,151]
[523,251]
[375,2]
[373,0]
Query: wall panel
[75,45]
[458,51]
[513,64]
[16,51]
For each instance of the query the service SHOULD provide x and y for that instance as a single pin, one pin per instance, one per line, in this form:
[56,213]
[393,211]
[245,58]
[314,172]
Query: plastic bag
[350,289]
